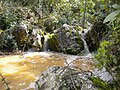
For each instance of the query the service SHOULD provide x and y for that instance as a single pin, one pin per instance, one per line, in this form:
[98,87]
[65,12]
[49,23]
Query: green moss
[102,85]
[53,43]
[78,27]
[79,41]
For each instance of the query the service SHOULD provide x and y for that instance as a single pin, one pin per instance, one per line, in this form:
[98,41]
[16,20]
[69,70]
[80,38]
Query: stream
[21,71]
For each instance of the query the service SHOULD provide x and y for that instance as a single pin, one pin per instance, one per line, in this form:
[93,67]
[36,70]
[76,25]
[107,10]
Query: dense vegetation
[48,15]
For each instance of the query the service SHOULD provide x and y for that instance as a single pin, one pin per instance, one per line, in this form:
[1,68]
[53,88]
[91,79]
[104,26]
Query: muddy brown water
[21,71]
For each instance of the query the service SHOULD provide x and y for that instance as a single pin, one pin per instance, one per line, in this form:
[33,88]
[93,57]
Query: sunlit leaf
[116,6]
[111,16]
[115,61]
[114,68]
[119,66]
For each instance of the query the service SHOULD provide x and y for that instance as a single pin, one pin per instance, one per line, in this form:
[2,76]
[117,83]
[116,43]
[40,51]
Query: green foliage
[112,16]
[8,16]
[102,54]
[7,42]
[8,20]
[116,6]
[53,14]
[108,56]
[109,51]
[102,8]
[68,11]
[102,85]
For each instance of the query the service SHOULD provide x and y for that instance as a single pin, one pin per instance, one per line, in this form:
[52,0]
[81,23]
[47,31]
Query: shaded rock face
[64,78]
[30,38]
[66,39]
[95,35]
[35,38]
[20,33]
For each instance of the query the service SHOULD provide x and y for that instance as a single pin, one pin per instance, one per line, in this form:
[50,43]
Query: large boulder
[66,39]
[64,78]
[95,35]
[35,38]
[28,37]
[20,33]
[53,43]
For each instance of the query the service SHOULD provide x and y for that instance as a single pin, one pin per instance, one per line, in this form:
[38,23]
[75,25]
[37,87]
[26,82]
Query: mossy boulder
[66,39]
[64,78]
[95,35]
[28,36]
[36,38]
[20,33]
[53,43]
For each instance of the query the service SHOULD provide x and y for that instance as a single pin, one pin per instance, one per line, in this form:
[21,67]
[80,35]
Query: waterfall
[82,35]
[85,45]
[45,44]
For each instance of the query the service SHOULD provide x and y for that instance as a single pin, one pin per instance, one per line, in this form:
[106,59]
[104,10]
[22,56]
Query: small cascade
[82,35]
[85,45]
[45,44]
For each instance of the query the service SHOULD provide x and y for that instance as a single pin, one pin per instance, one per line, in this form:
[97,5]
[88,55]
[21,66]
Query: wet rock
[66,39]
[95,35]
[34,49]
[28,36]
[53,43]
[64,78]
[20,33]
[36,38]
